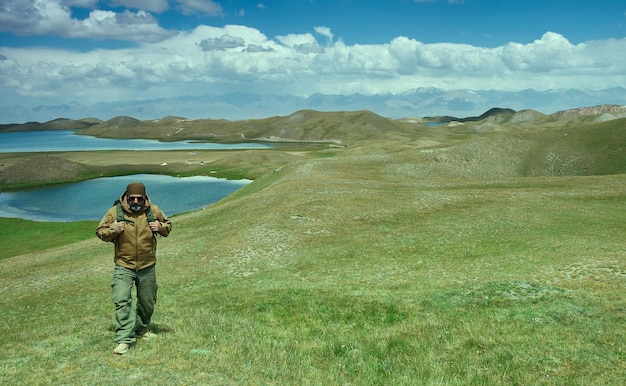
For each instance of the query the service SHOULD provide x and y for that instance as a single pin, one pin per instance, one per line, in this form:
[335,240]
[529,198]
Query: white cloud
[238,58]
[187,7]
[157,6]
[207,7]
[256,48]
[133,26]
[223,42]
[325,31]
[296,39]
[51,17]
[309,48]
[80,3]
[549,53]
[29,18]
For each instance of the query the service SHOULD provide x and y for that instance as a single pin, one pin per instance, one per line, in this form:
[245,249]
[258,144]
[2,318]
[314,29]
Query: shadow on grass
[154,327]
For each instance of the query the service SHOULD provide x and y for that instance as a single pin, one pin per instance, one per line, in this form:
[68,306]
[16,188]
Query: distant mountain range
[418,103]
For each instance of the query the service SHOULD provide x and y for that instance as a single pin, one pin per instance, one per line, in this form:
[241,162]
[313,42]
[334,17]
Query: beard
[136,207]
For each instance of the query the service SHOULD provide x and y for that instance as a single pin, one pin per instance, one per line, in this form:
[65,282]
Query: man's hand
[120,226]
[155,226]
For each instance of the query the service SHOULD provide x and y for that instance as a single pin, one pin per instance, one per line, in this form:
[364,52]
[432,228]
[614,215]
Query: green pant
[133,318]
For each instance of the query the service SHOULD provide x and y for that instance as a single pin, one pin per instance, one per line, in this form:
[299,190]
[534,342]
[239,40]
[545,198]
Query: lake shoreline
[52,141]
[89,200]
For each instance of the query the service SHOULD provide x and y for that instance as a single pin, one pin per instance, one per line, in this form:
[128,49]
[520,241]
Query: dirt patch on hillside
[41,170]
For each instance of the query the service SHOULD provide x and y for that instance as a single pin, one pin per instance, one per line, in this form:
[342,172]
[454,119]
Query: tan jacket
[135,247]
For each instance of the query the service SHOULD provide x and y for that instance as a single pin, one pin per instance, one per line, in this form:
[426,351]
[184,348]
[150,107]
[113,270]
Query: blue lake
[89,200]
[67,140]
[436,124]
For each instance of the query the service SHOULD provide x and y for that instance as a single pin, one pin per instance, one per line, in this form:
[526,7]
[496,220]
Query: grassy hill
[56,124]
[303,126]
[479,252]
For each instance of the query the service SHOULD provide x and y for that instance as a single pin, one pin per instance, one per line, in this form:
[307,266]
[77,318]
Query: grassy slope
[21,236]
[385,264]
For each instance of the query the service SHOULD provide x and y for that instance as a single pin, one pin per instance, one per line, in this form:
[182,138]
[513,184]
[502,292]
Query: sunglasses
[136,198]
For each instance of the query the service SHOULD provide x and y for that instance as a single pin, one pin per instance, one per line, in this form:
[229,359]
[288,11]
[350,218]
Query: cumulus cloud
[187,7]
[222,59]
[413,57]
[145,5]
[207,7]
[80,3]
[325,31]
[221,43]
[309,48]
[551,52]
[256,48]
[52,17]
[292,40]
[133,26]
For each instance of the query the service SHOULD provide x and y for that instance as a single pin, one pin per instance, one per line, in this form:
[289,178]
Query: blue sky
[58,51]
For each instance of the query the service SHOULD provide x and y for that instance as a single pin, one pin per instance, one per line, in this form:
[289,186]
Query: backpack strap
[120,211]
[149,214]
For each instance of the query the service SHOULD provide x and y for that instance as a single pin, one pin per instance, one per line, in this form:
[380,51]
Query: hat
[136,188]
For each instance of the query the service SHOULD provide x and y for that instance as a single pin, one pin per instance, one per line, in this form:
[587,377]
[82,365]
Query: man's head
[136,195]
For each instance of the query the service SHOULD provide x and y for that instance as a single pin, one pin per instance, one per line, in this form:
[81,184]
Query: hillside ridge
[592,110]
[296,125]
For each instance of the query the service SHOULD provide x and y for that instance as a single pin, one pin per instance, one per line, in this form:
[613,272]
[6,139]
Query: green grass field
[361,268]
[21,236]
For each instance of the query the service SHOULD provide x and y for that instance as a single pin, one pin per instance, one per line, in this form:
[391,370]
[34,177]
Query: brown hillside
[57,124]
[592,110]
[41,169]
[302,126]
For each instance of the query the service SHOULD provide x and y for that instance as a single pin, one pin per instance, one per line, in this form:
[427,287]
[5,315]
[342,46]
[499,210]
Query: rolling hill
[473,252]
[499,143]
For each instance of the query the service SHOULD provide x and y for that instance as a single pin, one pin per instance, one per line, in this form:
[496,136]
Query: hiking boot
[121,348]
[146,334]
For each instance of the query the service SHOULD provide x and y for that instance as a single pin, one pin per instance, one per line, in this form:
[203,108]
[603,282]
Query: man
[132,224]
